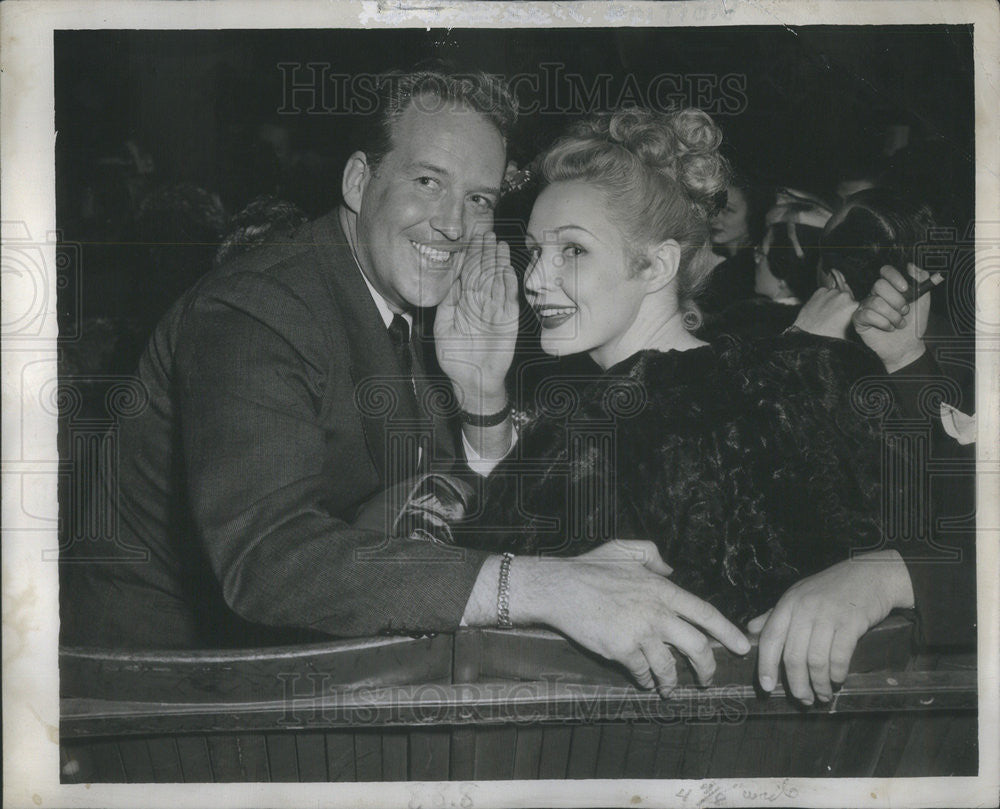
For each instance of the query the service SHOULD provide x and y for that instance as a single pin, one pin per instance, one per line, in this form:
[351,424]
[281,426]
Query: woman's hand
[475,327]
[827,313]
[818,621]
[617,602]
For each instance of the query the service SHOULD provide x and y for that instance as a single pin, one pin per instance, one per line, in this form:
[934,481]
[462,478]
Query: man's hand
[475,327]
[827,313]
[888,324]
[617,602]
[817,622]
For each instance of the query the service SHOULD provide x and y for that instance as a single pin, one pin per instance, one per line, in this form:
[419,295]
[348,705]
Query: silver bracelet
[503,593]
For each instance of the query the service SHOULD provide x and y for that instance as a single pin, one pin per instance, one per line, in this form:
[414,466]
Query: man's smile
[432,255]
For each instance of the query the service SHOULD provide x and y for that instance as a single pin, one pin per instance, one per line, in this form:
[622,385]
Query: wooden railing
[483,704]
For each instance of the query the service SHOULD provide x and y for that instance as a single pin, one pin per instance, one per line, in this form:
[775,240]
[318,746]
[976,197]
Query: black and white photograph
[500,404]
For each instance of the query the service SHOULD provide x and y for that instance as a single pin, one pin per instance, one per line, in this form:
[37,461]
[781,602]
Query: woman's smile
[550,316]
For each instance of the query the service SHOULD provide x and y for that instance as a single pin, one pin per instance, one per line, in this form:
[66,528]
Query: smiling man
[286,396]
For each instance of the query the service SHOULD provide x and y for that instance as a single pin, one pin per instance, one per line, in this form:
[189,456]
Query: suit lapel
[383,395]
[434,393]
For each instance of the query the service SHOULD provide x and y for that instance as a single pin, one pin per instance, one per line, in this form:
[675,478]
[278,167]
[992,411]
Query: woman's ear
[355,180]
[665,260]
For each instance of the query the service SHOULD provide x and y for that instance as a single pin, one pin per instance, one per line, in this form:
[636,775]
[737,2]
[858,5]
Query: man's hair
[881,226]
[437,85]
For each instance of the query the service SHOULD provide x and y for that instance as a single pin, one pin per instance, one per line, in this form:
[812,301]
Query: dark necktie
[399,333]
[408,463]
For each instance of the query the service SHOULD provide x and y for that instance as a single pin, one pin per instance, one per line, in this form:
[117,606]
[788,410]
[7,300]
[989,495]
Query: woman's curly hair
[663,176]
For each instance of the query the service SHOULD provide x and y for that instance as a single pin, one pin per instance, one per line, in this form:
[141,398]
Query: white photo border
[30,585]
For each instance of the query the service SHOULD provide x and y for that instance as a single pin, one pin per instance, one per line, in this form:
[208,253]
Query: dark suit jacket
[935,524]
[276,410]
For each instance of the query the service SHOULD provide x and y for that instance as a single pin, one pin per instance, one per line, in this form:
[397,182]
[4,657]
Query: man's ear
[357,173]
[665,260]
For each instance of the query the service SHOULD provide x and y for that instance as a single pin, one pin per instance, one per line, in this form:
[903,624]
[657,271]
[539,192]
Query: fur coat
[747,462]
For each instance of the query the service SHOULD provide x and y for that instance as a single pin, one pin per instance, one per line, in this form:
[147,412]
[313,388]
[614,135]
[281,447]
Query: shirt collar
[381,303]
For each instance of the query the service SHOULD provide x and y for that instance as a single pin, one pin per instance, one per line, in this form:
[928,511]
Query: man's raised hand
[888,323]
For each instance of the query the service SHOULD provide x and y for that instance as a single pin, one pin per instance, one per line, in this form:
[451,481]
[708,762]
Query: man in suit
[284,398]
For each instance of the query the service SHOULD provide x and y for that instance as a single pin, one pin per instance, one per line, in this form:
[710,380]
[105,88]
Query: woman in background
[735,230]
